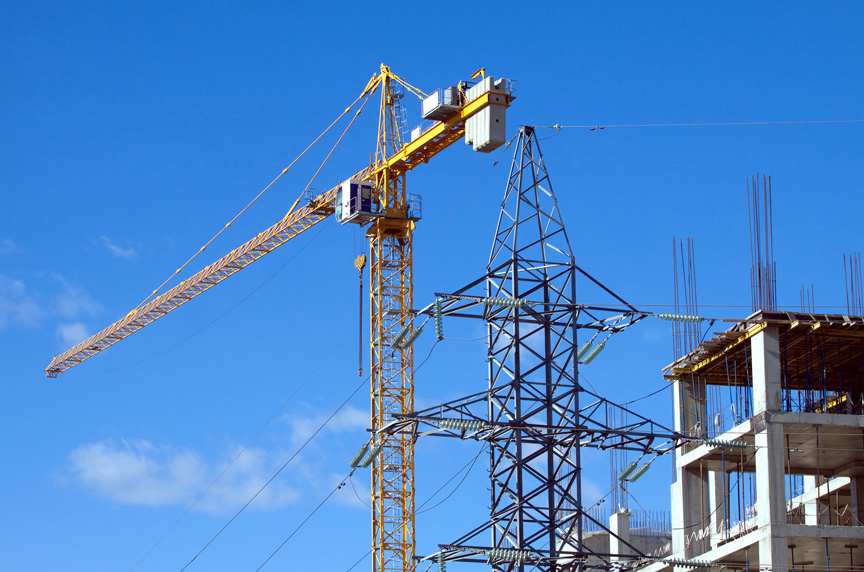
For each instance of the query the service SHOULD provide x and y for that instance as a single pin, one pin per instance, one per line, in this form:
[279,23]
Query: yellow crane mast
[376,198]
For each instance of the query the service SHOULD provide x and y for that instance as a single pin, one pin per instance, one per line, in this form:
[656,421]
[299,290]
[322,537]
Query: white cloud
[20,306]
[73,302]
[71,334]
[116,250]
[135,472]
[8,246]
[138,473]
[17,306]
[348,419]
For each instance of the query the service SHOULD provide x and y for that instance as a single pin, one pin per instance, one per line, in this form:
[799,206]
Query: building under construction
[776,485]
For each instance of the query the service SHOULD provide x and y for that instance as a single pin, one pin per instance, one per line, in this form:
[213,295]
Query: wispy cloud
[117,251]
[8,246]
[348,419]
[137,472]
[17,305]
[20,305]
[71,334]
[72,301]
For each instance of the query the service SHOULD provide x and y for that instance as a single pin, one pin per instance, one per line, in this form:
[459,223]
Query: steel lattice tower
[530,413]
[535,481]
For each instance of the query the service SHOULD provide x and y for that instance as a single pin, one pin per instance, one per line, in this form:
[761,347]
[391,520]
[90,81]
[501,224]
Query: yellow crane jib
[377,197]
[454,112]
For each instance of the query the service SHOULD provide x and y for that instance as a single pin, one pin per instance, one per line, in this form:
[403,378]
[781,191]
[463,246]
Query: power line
[705,124]
[297,452]
[471,463]
[305,520]
[243,450]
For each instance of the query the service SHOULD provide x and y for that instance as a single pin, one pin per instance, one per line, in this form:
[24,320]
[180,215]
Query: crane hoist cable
[360,264]
[258,196]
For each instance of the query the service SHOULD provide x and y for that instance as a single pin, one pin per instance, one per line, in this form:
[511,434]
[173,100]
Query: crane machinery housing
[375,198]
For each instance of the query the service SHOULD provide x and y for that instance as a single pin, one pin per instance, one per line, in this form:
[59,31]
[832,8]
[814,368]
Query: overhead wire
[282,468]
[470,464]
[348,479]
[293,456]
[465,195]
[707,124]
[305,520]
[243,449]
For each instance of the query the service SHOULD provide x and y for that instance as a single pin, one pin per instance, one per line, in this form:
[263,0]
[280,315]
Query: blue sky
[131,133]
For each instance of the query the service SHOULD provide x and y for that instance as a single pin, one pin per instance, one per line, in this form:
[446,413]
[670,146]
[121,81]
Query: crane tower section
[390,234]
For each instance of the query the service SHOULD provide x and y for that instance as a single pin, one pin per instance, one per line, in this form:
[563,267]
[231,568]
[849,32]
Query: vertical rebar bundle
[685,335]
[808,299]
[853,283]
[763,271]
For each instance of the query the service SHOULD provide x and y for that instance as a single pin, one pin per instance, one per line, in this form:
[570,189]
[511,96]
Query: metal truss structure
[392,370]
[532,413]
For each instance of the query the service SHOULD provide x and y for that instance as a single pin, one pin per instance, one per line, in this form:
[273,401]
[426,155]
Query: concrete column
[771,498]
[619,524]
[690,491]
[815,507]
[689,411]
[719,499]
[856,487]
[691,504]
[765,348]
[677,516]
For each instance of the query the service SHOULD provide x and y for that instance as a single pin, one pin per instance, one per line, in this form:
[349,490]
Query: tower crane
[377,199]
